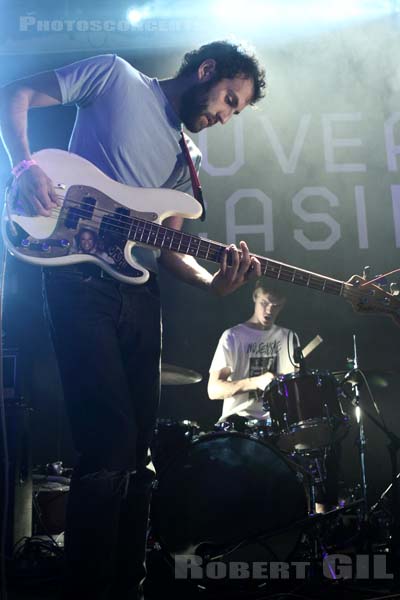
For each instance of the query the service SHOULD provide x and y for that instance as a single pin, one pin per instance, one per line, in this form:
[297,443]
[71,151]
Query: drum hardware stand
[318,524]
[311,468]
[299,359]
[393,448]
[315,471]
[355,387]
[361,433]
[313,501]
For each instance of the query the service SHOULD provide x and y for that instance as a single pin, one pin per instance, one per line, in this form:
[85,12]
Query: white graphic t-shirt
[249,352]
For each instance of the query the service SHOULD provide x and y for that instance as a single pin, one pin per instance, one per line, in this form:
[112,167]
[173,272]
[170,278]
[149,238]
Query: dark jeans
[107,338]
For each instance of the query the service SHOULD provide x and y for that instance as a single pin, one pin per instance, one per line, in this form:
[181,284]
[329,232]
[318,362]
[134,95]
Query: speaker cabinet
[19,475]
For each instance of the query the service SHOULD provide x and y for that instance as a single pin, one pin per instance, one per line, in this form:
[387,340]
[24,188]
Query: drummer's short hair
[267,287]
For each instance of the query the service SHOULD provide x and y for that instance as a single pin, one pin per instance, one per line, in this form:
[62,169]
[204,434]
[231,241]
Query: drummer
[249,356]
[247,359]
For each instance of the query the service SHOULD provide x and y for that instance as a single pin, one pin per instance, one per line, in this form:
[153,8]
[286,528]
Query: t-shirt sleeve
[223,356]
[83,81]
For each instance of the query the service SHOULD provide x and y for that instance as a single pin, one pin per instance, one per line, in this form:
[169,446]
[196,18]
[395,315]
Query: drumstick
[312,345]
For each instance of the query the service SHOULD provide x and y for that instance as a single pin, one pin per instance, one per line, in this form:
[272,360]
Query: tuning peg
[382,282]
[394,288]
[366,271]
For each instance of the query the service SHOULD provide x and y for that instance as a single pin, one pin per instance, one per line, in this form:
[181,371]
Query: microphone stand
[298,356]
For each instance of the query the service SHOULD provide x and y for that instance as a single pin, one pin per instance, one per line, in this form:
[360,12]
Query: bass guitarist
[130,126]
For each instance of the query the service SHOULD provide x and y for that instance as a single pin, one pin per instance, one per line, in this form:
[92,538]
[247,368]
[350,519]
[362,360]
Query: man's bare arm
[16,98]
[220,388]
[226,280]
[185,268]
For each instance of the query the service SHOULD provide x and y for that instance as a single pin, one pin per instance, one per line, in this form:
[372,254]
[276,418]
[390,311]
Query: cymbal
[378,377]
[173,375]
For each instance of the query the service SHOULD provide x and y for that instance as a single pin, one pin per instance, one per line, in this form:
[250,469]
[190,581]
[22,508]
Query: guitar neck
[159,236]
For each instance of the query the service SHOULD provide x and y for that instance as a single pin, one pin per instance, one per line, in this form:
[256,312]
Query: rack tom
[305,410]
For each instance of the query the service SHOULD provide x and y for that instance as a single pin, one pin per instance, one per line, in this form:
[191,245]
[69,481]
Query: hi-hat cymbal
[173,375]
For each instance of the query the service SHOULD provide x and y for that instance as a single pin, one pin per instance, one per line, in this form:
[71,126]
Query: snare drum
[229,497]
[305,410]
[260,428]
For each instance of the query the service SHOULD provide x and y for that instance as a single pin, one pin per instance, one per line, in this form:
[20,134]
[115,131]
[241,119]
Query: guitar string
[346,289]
[124,228]
[214,254]
[381,276]
[130,221]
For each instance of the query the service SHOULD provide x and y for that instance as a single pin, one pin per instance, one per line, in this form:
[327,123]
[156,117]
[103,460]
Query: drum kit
[246,491]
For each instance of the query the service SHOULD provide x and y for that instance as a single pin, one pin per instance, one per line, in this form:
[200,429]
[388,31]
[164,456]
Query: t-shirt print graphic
[259,365]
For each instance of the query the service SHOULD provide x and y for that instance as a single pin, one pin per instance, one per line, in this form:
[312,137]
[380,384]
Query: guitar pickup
[82,208]
[44,246]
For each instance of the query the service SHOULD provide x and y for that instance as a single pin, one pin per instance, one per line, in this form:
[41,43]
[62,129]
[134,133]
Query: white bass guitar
[100,220]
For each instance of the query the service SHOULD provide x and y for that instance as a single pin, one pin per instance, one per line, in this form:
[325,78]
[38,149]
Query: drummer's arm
[220,388]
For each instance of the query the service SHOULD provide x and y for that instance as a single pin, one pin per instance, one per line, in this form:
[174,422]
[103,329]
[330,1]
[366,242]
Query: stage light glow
[291,12]
[135,15]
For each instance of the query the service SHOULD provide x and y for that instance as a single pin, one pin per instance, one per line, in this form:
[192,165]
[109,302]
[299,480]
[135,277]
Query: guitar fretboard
[159,236]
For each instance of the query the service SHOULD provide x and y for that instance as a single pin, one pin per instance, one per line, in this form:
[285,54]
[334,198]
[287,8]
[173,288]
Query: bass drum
[230,496]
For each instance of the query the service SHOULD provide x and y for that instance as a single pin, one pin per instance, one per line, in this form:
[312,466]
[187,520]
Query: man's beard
[194,103]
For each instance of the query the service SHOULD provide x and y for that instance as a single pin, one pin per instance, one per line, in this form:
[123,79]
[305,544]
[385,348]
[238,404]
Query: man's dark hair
[266,287]
[232,61]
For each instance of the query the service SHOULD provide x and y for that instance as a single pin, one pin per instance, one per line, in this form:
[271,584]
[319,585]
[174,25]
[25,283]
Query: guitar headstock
[370,298]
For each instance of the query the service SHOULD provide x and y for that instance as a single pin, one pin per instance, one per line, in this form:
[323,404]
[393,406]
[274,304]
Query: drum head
[227,491]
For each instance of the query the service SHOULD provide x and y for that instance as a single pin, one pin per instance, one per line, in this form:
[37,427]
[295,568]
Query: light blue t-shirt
[126,126]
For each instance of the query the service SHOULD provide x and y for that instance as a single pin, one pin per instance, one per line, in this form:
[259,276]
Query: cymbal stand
[361,432]
[393,448]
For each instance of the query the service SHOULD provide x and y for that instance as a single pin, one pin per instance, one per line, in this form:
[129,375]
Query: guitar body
[94,220]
